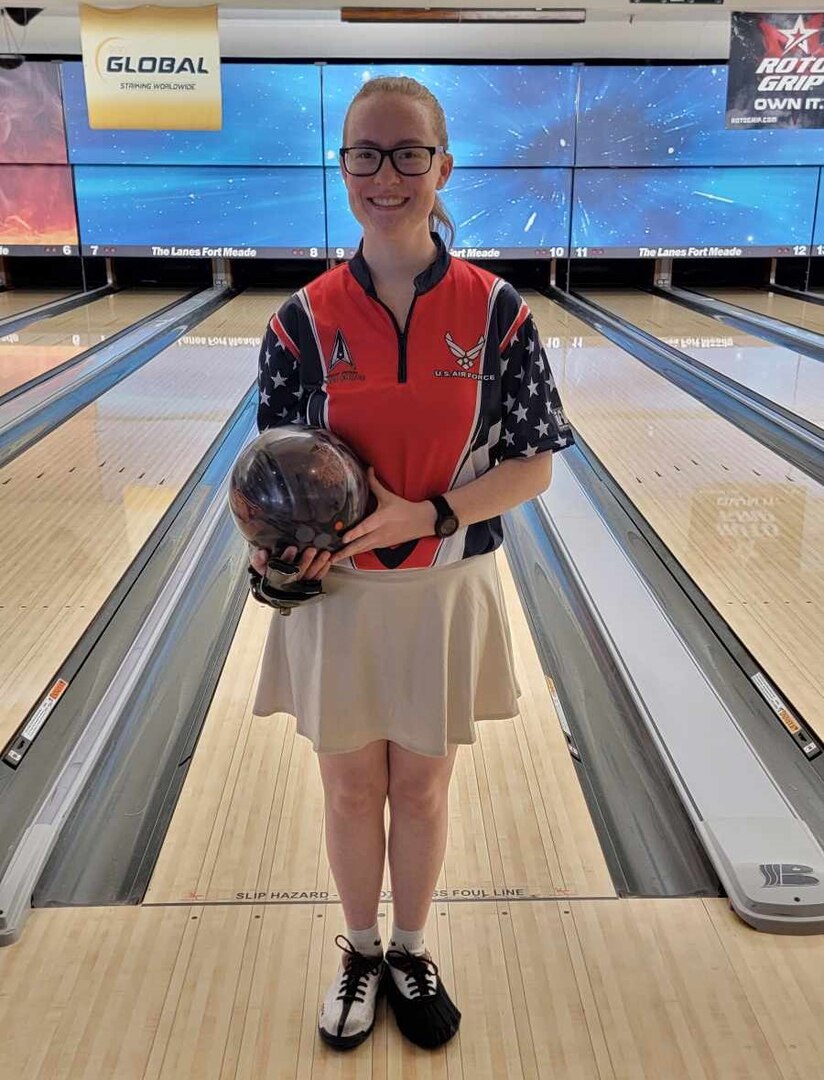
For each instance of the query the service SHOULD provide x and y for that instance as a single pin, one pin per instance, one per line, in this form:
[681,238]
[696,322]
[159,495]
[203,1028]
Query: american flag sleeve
[533,418]
[280,394]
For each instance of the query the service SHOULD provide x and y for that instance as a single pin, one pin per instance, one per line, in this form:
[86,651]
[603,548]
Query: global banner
[152,68]
[776,71]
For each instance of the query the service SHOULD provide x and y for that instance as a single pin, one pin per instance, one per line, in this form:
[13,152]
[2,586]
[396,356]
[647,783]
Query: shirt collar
[424,281]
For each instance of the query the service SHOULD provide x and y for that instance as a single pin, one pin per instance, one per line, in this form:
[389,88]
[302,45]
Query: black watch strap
[444,511]
[442,506]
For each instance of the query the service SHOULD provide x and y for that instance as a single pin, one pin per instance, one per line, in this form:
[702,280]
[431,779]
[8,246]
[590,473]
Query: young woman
[432,370]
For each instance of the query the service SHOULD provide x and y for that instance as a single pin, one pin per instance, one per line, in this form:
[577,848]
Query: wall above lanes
[613,160]
[614,30]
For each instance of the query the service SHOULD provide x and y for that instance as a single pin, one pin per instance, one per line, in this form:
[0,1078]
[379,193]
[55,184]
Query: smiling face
[388,202]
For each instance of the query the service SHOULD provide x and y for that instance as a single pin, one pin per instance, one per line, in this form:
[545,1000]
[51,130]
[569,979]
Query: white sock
[412,939]
[368,941]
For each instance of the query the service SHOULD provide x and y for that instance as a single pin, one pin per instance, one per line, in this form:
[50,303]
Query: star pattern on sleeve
[280,394]
[533,418]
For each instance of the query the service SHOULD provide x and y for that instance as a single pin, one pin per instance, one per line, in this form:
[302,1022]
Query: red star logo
[782,42]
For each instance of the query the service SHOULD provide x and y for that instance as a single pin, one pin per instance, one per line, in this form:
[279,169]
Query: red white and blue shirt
[433,405]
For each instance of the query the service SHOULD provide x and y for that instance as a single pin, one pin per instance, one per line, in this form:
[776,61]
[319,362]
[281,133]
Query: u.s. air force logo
[465,359]
[341,365]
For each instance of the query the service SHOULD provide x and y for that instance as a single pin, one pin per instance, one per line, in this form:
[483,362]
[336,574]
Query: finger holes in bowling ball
[323,541]
[304,534]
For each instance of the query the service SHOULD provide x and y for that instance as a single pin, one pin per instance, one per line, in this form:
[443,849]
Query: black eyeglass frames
[407,160]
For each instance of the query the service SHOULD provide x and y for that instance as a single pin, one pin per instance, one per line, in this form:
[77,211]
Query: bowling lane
[78,505]
[17,301]
[776,305]
[782,375]
[249,821]
[746,526]
[47,343]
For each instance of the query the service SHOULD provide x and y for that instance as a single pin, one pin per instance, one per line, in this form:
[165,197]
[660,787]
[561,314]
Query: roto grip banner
[776,71]
[152,68]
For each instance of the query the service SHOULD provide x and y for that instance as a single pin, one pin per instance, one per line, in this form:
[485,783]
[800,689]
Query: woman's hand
[313,565]
[395,521]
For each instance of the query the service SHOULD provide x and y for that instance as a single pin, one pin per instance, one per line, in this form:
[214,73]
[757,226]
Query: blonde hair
[439,219]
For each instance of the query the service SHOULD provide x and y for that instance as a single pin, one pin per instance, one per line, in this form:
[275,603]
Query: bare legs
[356,786]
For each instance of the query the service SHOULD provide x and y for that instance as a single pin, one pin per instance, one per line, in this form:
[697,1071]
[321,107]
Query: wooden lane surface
[746,526]
[196,987]
[777,305]
[249,822]
[48,343]
[231,986]
[17,301]
[788,378]
[571,990]
[78,505]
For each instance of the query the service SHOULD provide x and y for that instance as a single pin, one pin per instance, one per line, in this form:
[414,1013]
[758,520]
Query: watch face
[449,525]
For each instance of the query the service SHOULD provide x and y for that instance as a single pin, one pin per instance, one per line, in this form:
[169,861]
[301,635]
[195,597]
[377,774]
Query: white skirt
[413,656]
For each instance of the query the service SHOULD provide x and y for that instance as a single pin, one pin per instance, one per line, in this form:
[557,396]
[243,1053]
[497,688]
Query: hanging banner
[152,68]
[776,71]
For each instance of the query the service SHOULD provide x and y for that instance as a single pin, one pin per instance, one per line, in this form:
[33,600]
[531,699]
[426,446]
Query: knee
[415,800]
[356,799]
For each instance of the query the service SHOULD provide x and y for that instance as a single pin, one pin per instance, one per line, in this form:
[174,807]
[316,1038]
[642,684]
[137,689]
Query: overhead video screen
[674,115]
[818,226]
[693,213]
[201,212]
[31,115]
[498,213]
[37,210]
[495,114]
[271,116]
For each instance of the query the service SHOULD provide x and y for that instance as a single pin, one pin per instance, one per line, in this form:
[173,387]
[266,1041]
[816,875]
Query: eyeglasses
[407,160]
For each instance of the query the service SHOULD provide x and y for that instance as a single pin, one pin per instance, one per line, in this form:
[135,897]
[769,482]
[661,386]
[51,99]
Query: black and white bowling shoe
[347,1014]
[424,1011]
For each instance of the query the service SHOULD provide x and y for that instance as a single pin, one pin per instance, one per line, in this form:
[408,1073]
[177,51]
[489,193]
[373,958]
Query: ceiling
[294,9]
[286,29]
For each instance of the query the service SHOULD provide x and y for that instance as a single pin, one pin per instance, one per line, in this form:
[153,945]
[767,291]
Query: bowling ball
[297,486]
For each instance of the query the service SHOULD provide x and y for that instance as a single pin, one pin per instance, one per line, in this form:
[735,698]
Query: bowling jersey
[433,405]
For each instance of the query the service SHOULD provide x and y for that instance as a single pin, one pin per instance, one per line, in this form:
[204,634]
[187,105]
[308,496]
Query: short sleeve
[280,394]
[533,419]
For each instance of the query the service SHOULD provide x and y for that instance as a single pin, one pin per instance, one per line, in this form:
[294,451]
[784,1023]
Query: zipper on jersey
[402,335]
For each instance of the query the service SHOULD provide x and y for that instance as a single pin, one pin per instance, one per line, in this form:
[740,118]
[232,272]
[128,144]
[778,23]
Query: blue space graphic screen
[275,212]
[498,213]
[271,116]
[653,166]
[760,211]
[674,115]
[818,226]
[495,114]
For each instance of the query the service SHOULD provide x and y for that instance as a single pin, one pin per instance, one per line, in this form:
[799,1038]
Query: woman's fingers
[258,557]
[319,567]
[305,561]
[313,565]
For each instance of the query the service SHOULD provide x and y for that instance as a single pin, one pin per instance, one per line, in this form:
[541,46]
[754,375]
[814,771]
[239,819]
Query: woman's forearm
[509,484]
[397,520]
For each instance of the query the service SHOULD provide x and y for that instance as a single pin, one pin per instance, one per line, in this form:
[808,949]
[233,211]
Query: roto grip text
[789,75]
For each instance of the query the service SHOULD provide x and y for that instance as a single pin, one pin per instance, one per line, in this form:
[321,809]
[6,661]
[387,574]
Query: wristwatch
[446,524]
